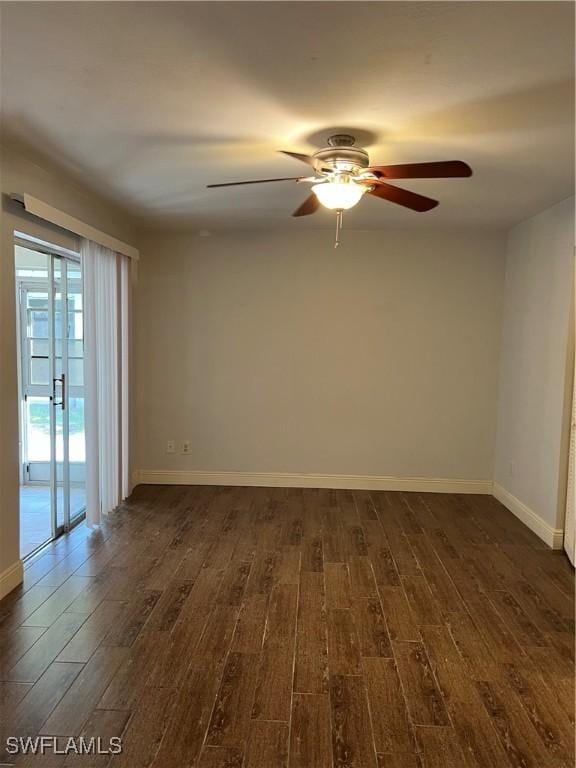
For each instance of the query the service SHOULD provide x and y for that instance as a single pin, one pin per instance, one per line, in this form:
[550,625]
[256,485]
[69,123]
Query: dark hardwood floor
[274,628]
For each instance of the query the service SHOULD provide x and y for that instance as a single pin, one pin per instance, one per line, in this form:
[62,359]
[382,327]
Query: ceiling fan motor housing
[342,156]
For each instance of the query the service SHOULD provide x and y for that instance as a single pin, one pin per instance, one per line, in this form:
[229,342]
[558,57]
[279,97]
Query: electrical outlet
[170,446]
[186,446]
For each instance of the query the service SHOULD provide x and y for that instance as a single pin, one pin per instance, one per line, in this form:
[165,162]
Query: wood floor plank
[371,628]
[145,729]
[28,717]
[477,736]
[355,541]
[500,641]
[189,718]
[365,506]
[525,632]
[221,757]
[440,748]
[399,760]
[103,724]
[47,613]
[230,723]
[399,618]
[383,565]
[517,734]
[18,606]
[311,663]
[362,583]
[425,702]
[267,746]
[352,739]
[167,609]
[135,671]
[170,667]
[14,644]
[12,694]
[310,732]
[421,602]
[45,650]
[470,644]
[546,606]
[92,632]
[263,575]
[392,730]
[289,565]
[249,632]
[544,711]
[337,580]
[343,643]
[448,667]
[81,698]
[134,617]
[312,554]
[188,568]
[333,543]
[275,677]
[218,632]
[402,553]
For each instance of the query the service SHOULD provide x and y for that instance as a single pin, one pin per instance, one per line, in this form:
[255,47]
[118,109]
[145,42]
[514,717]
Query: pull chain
[338,227]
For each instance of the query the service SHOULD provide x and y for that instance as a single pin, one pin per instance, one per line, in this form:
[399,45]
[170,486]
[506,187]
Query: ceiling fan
[343,174]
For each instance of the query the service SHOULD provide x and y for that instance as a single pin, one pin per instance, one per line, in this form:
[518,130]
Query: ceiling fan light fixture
[339,194]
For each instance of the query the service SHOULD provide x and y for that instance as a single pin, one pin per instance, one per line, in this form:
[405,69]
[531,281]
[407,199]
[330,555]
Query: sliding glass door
[53,457]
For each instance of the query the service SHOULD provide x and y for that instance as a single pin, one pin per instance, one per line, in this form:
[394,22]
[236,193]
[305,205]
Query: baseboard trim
[11,578]
[294,480]
[554,537]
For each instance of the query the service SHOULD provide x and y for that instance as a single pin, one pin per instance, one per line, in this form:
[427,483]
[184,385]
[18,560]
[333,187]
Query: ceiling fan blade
[403,197]
[257,181]
[297,156]
[442,170]
[310,205]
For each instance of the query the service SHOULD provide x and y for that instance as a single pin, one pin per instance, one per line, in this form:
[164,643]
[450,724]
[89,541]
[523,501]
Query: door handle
[62,381]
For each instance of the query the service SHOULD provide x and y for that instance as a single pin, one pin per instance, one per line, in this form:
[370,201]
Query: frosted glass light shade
[338,195]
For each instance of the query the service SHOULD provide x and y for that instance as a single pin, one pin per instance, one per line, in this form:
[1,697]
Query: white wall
[21,171]
[275,353]
[534,362]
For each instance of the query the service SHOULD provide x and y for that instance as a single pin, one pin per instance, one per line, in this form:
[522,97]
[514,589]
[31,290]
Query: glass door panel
[75,389]
[53,456]
[57,319]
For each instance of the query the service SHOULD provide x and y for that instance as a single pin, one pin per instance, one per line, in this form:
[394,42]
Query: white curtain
[106,315]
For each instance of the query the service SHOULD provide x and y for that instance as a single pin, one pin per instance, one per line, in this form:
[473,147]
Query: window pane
[76,415]
[39,370]
[75,325]
[38,302]
[57,324]
[38,323]
[76,371]
[75,349]
[38,429]
[39,347]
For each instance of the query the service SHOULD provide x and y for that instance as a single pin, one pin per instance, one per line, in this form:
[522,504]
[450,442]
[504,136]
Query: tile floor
[35,526]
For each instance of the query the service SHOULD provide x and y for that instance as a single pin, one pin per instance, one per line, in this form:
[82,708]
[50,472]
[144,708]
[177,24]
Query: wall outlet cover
[170,446]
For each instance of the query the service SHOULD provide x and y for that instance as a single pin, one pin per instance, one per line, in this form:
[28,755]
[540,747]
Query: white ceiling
[152,101]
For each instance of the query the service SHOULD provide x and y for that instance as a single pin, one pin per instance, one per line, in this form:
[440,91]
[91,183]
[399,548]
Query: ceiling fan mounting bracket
[341,155]
[341,140]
